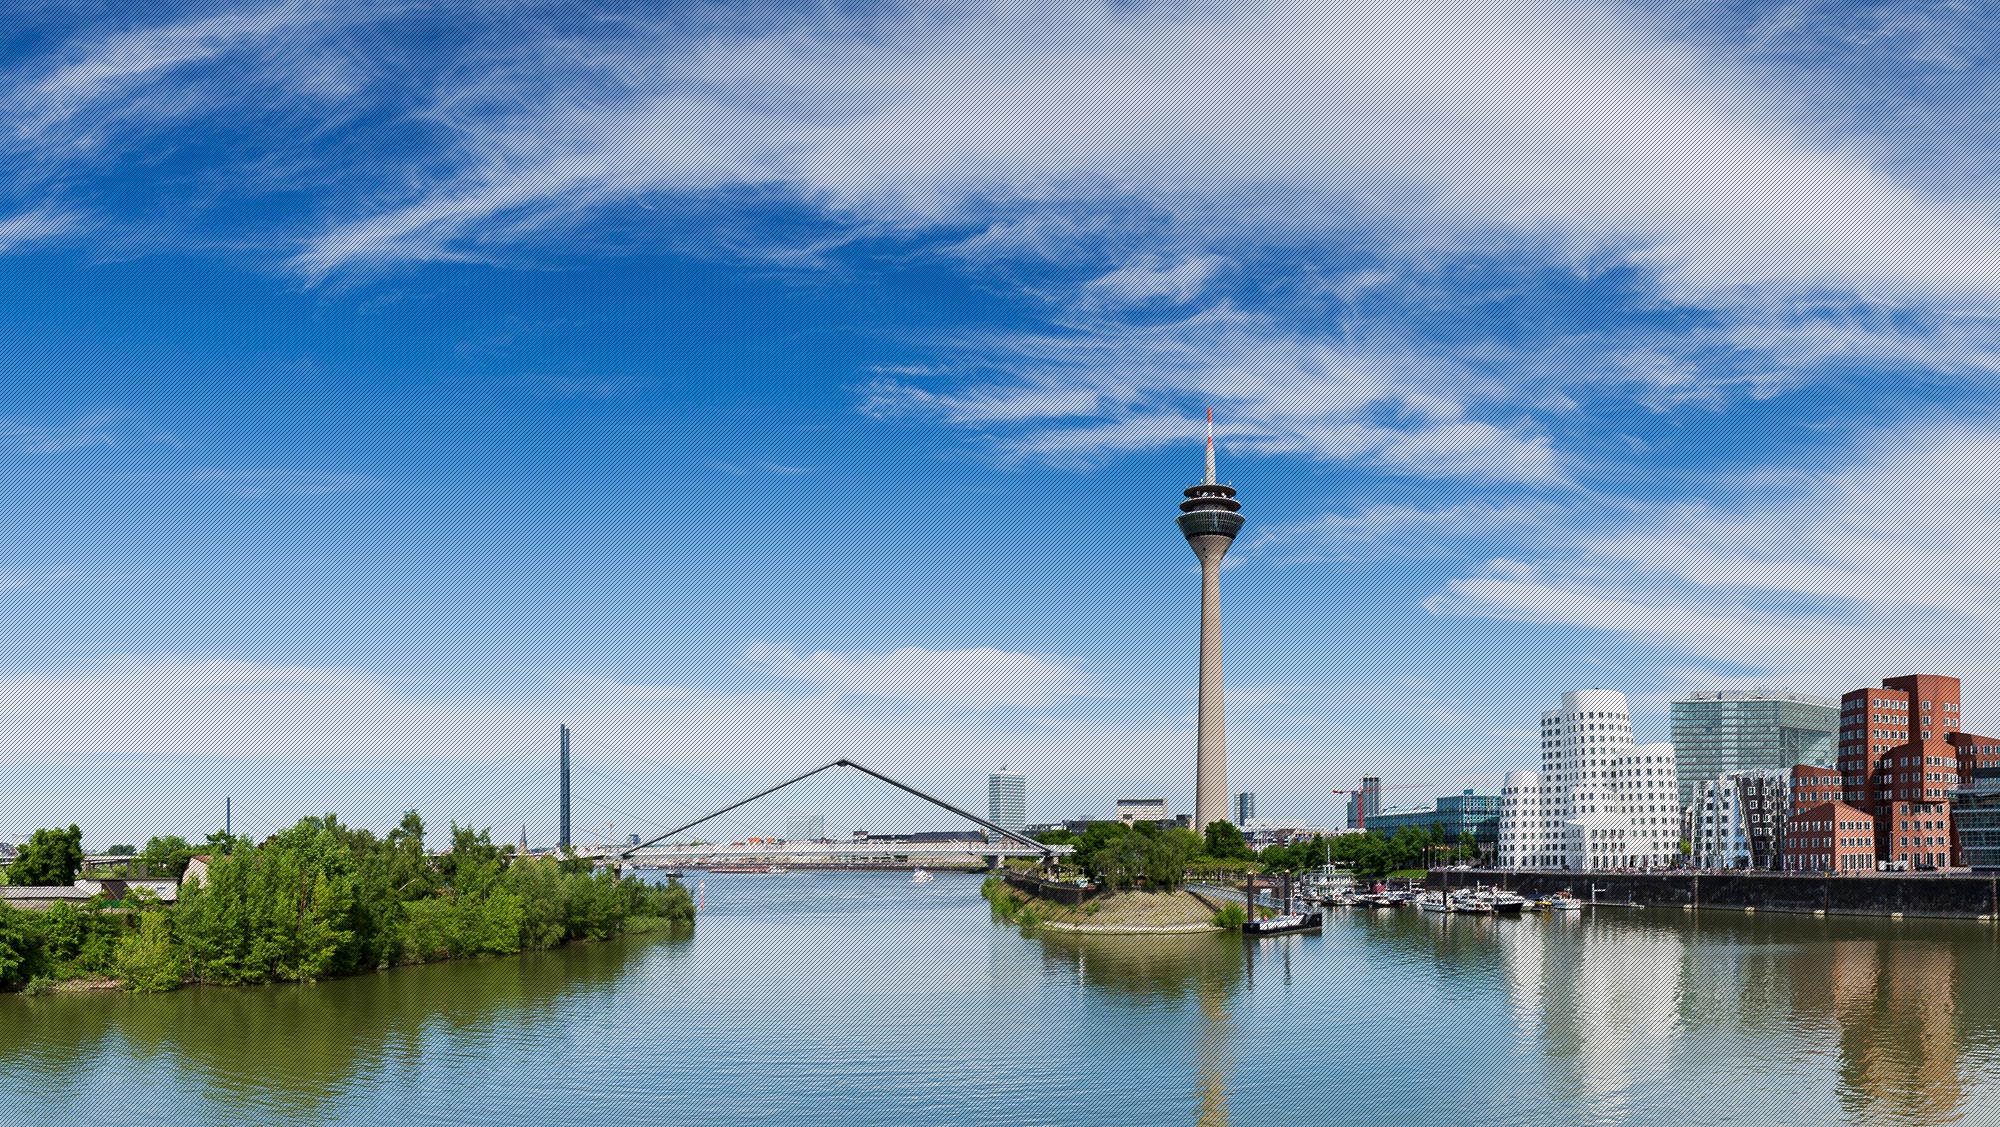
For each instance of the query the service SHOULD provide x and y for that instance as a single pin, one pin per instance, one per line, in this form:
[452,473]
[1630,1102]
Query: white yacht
[921,876]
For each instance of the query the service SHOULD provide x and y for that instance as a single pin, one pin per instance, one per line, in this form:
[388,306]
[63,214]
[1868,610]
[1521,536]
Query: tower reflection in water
[1164,974]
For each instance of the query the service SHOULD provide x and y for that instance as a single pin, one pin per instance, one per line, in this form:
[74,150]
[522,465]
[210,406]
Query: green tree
[50,857]
[123,851]
[1222,841]
[20,947]
[167,856]
[149,962]
[1167,857]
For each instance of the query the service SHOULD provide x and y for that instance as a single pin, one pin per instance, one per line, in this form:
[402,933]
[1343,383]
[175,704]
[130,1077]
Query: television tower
[1210,519]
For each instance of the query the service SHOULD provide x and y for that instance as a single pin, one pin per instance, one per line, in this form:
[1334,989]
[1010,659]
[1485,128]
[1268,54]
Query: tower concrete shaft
[1210,519]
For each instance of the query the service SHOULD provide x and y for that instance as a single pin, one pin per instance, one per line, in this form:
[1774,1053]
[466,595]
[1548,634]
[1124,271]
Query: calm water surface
[860,999]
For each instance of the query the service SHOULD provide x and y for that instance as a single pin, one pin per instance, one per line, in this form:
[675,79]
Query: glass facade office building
[1456,814]
[1716,733]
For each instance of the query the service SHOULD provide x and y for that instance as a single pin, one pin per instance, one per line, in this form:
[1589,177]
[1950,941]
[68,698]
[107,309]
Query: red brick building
[1832,837]
[1903,750]
[1917,836]
[1812,786]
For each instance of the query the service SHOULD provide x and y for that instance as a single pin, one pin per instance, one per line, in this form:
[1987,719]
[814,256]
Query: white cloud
[1109,389]
[1875,568]
[1580,126]
[1149,280]
[32,228]
[980,678]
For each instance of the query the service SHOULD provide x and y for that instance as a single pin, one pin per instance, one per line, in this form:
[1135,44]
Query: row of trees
[1145,855]
[322,899]
[1371,856]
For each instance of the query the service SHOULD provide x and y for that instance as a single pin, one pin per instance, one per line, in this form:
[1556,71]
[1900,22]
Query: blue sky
[752,385]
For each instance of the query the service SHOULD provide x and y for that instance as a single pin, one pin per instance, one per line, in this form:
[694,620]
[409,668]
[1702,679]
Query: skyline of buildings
[1715,732]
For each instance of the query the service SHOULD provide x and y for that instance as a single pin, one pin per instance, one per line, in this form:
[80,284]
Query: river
[842,999]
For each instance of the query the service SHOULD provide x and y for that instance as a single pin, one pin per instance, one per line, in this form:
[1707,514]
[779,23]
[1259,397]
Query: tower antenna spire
[1210,479]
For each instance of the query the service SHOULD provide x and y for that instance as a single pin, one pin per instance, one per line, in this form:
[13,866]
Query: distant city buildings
[1599,802]
[1007,799]
[1717,733]
[1134,810]
[805,827]
[1246,807]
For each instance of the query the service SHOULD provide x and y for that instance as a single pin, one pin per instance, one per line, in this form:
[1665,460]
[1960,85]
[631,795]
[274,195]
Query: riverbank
[1107,913]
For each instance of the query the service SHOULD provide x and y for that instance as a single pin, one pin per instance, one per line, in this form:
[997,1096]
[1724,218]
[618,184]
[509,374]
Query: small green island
[1134,879]
[318,900]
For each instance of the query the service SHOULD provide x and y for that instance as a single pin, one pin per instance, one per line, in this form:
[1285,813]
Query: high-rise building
[1210,519]
[1599,802]
[1364,803]
[805,827]
[1246,807]
[1007,799]
[1717,733]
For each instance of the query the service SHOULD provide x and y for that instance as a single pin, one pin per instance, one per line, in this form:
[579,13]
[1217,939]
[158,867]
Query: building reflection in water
[1600,1000]
[1166,972]
[1896,1007]
[1862,1021]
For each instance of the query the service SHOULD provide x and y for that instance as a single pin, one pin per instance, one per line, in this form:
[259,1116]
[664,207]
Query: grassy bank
[1130,913]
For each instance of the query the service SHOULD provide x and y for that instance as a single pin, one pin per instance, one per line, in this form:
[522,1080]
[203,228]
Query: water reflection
[1899,1048]
[1167,972]
[291,1052]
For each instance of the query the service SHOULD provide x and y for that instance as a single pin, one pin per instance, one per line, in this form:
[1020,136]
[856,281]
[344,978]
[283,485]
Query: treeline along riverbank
[321,900]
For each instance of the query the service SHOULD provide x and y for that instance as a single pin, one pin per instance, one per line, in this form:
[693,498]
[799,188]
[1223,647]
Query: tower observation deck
[1211,516]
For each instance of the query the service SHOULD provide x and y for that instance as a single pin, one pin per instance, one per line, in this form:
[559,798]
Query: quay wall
[1949,897]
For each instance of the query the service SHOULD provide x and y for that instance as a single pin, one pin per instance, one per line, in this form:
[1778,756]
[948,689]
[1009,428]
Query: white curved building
[1599,802]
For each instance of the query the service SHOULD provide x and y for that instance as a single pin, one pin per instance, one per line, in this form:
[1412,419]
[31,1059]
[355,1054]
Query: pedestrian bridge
[821,853]
[1005,843]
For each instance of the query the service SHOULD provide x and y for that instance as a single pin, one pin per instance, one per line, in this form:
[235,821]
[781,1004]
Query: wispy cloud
[1870,569]
[1108,389]
[1150,280]
[982,678]
[107,429]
